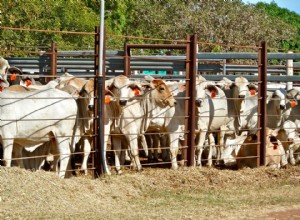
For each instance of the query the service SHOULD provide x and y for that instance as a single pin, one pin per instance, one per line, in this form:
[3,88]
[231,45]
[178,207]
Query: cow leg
[212,145]
[174,146]
[291,154]
[18,154]
[155,146]
[86,153]
[220,148]
[149,141]
[165,152]
[117,145]
[283,158]
[63,145]
[134,151]
[7,151]
[105,143]
[144,144]
[200,146]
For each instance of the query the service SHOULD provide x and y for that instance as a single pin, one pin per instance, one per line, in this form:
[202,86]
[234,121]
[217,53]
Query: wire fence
[185,148]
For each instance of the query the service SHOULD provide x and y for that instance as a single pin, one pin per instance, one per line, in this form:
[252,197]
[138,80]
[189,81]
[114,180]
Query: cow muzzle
[123,102]
[282,107]
[91,107]
[198,103]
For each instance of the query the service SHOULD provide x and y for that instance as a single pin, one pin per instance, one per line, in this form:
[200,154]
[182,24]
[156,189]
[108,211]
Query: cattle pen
[180,61]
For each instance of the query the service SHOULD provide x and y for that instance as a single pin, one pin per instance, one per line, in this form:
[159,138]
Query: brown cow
[246,156]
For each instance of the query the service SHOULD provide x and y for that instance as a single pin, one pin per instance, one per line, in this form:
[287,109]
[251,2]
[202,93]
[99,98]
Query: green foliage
[289,18]
[59,15]
[215,21]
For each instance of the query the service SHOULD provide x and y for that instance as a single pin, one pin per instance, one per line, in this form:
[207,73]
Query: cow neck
[115,113]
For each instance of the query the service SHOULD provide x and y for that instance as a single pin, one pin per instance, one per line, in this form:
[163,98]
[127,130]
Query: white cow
[212,113]
[141,113]
[35,117]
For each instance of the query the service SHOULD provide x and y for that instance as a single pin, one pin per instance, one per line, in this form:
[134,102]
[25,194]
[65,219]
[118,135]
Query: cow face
[205,90]
[87,93]
[4,67]
[123,88]
[280,100]
[161,93]
[242,90]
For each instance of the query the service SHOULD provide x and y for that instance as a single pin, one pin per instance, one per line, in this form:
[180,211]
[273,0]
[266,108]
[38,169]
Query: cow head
[123,88]
[288,133]
[160,92]
[4,68]
[204,90]
[279,99]
[293,95]
[242,90]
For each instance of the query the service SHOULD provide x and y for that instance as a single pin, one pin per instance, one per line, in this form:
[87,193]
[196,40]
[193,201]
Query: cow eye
[161,88]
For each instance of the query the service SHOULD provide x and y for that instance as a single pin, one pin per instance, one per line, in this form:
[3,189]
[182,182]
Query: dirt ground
[155,193]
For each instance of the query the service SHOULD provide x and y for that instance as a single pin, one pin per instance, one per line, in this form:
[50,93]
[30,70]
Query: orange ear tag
[252,92]
[28,83]
[213,94]
[136,91]
[107,99]
[1,88]
[13,77]
[293,104]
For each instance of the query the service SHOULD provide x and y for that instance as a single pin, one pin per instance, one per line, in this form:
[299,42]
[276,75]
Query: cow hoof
[119,172]
[181,163]
[174,167]
[293,162]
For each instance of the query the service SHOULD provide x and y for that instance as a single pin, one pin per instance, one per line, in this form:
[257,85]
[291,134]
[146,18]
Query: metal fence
[213,65]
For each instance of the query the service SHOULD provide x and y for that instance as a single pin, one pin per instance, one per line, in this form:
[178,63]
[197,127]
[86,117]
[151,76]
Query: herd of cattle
[42,123]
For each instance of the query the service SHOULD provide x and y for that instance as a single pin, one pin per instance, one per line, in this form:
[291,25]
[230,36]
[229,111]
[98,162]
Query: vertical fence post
[262,104]
[53,62]
[98,132]
[126,59]
[191,68]
[289,71]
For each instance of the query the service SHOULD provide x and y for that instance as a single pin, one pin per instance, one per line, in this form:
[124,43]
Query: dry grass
[187,193]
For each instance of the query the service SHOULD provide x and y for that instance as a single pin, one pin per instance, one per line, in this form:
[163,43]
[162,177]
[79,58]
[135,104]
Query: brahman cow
[141,112]
[247,155]
[21,123]
[212,117]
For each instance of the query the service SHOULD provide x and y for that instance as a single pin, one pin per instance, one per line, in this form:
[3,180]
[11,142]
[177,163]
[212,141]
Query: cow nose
[122,102]
[290,140]
[241,96]
[91,107]
[282,107]
[198,103]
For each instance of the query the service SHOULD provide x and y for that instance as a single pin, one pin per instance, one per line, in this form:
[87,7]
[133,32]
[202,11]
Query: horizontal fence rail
[81,62]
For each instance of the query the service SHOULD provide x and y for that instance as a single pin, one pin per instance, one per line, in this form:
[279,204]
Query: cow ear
[182,88]
[15,70]
[275,132]
[212,90]
[149,78]
[136,88]
[251,86]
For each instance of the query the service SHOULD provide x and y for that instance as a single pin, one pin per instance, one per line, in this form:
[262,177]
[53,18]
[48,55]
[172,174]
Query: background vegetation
[215,22]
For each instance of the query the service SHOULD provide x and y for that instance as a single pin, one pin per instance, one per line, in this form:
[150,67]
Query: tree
[47,15]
